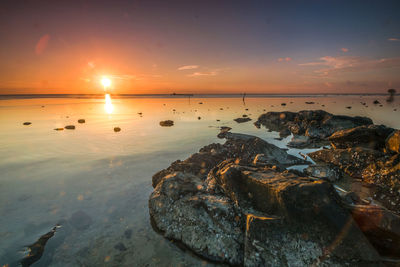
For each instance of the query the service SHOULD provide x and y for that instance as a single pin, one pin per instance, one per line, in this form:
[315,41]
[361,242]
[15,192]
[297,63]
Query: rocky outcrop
[237,203]
[393,142]
[371,136]
[316,124]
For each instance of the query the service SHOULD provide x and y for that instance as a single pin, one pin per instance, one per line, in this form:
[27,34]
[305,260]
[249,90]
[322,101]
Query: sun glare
[106,82]
[108,105]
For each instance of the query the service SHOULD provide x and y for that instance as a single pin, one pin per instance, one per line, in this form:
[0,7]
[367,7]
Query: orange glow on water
[108,106]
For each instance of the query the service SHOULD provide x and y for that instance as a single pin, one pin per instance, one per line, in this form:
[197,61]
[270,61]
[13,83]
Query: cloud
[352,64]
[188,67]
[197,74]
[42,44]
[394,39]
[345,50]
[287,59]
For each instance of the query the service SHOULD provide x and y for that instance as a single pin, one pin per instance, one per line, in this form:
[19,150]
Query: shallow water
[47,175]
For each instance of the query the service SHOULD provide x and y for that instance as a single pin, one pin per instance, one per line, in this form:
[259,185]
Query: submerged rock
[80,220]
[167,123]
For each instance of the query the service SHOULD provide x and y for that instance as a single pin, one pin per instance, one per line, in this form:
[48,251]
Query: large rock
[371,136]
[393,142]
[208,224]
[304,218]
[316,124]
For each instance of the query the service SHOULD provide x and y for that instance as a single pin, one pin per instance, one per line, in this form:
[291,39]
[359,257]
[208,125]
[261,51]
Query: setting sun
[106,82]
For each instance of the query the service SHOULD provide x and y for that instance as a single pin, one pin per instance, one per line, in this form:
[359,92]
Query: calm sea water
[46,176]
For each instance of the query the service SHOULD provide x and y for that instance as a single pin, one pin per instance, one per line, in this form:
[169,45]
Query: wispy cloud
[282,59]
[188,67]
[394,39]
[41,45]
[352,64]
[197,74]
[125,77]
[344,50]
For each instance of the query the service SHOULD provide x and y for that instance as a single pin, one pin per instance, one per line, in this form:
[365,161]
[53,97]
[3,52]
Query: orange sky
[151,47]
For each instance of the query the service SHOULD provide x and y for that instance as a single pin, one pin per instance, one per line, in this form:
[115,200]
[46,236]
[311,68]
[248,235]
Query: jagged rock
[316,124]
[351,160]
[208,224]
[371,136]
[330,173]
[381,227]
[393,142]
[297,206]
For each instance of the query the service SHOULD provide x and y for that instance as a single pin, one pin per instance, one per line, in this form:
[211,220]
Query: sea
[94,183]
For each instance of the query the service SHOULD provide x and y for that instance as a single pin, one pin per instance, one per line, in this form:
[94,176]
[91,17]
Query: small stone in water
[70,127]
[58,129]
[120,246]
[117,129]
[27,123]
[81,120]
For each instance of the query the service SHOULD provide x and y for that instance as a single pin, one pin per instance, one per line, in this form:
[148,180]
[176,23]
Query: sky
[157,47]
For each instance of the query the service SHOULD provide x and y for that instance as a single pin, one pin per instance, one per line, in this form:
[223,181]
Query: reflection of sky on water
[46,175]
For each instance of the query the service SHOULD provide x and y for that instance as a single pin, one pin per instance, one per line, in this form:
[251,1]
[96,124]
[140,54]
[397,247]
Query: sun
[106,82]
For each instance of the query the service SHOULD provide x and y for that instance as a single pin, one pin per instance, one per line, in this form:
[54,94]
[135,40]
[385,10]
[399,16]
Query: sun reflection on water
[108,106]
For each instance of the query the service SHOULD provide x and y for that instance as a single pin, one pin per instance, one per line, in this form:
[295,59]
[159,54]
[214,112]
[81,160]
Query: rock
[381,227]
[376,102]
[81,121]
[235,203]
[117,129]
[317,124]
[80,220]
[371,136]
[283,104]
[167,123]
[224,130]
[70,127]
[297,206]
[58,129]
[284,133]
[348,107]
[309,103]
[120,246]
[128,233]
[27,123]
[330,173]
[352,161]
[393,142]
[241,120]
[302,141]
[207,224]
[36,250]
[199,118]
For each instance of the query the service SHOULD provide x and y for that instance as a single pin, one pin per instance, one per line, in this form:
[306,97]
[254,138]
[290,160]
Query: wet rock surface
[167,123]
[316,124]
[238,203]
[243,119]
